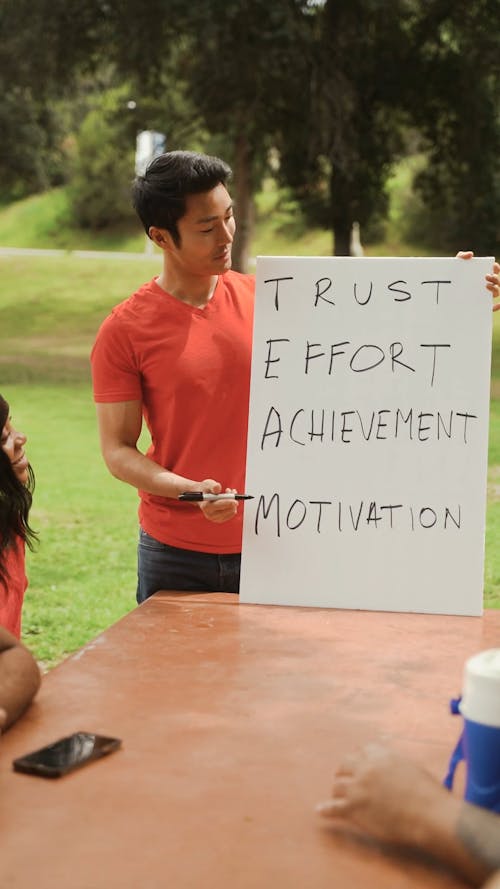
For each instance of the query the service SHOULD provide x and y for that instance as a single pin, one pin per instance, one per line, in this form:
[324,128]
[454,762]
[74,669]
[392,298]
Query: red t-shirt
[190,368]
[11,599]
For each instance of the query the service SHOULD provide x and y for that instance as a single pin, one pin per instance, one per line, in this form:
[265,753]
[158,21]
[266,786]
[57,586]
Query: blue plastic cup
[479,743]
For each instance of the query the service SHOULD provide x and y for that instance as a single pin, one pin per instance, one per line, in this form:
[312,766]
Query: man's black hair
[159,197]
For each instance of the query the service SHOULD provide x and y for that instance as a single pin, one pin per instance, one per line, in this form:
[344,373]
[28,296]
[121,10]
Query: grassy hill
[44,221]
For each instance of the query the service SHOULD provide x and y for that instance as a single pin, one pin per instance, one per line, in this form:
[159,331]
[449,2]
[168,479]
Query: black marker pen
[196,496]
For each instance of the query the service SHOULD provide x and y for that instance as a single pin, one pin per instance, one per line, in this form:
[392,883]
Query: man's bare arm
[19,679]
[119,429]
[492,280]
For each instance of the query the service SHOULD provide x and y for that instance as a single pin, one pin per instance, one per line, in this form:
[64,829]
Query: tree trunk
[245,208]
[340,203]
[342,239]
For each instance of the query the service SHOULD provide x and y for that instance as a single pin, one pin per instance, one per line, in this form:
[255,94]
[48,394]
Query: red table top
[233,718]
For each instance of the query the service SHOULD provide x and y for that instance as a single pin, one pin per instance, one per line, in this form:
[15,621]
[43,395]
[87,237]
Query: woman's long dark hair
[15,503]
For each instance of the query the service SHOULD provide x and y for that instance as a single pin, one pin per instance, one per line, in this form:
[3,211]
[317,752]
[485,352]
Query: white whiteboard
[368,434]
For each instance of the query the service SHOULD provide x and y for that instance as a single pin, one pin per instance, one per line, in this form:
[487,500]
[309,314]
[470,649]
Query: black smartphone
[66,754]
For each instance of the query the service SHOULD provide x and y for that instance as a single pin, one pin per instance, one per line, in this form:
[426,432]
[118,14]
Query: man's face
[206,231]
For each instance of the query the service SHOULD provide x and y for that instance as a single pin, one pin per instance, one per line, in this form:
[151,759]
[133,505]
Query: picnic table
[232,718]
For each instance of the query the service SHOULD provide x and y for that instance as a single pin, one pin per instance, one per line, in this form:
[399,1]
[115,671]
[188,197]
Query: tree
[457,112]
[43,46]
[234,57]
[330,84]
[104,163]
[241,53]
[30,156]
[377,69]
[351,118]
[104,160]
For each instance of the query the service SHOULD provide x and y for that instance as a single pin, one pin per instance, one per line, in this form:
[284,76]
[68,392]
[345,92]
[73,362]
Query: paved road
[91,254]
[83,254]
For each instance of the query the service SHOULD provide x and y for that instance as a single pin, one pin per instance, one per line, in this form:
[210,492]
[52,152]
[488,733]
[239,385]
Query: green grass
[44,221]
[51,308]
[83,574]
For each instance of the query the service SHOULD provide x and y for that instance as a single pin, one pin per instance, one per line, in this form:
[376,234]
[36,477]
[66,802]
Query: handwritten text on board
[367,446]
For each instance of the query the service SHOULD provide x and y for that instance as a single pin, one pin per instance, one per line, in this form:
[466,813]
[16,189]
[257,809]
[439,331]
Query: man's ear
[160,237]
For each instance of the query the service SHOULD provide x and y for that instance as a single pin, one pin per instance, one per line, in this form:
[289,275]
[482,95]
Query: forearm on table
[19,682]
[465,836]
[126,463]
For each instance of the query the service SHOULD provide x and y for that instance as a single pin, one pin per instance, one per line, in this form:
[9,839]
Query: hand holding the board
[492,281]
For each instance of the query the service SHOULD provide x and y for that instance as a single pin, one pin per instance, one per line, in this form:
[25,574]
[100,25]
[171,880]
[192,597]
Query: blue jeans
[164,567]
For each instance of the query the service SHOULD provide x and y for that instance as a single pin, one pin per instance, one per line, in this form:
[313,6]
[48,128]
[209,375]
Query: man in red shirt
[178,353]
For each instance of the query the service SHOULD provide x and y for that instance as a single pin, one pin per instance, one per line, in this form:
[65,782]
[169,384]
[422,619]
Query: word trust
[323,290]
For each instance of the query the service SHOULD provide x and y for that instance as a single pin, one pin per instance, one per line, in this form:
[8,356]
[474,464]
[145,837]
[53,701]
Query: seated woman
[17,482]
[19,679]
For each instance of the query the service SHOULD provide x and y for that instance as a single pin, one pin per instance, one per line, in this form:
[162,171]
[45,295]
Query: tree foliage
[351,119]
[43,46]
[103,163]
[105,141]
[378,69]
[457,111]
[333,86]
[233,56]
